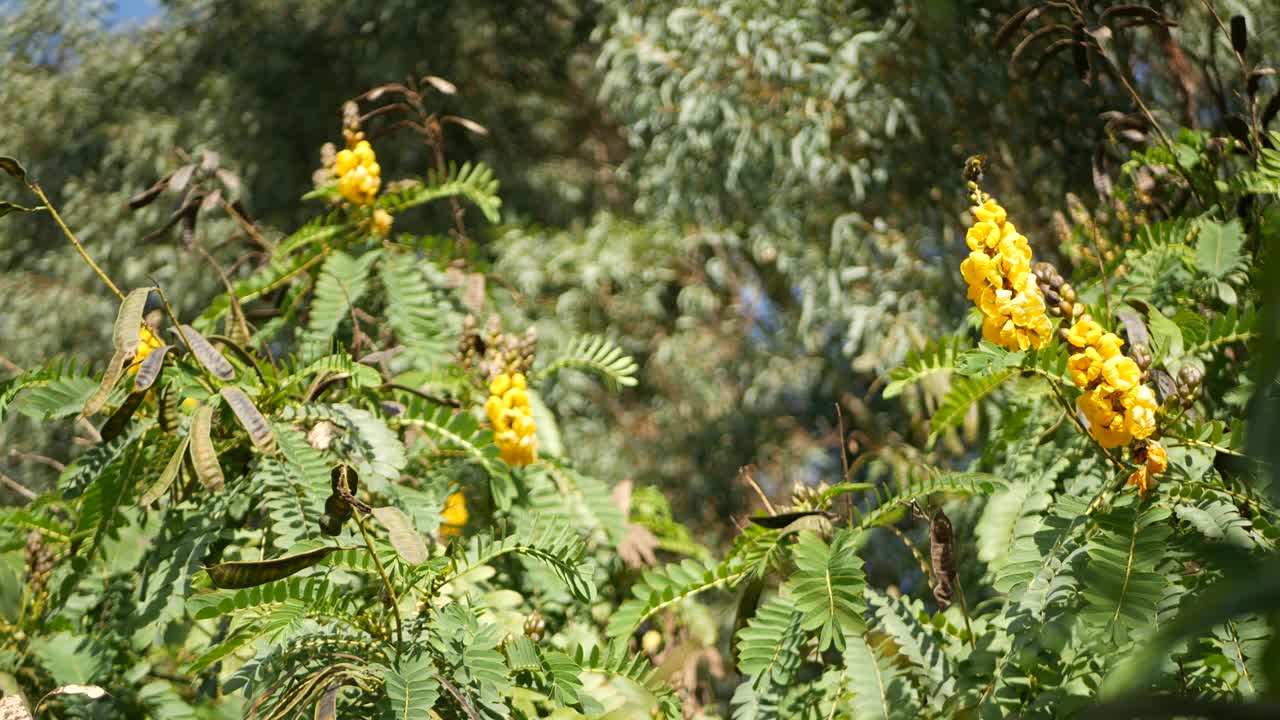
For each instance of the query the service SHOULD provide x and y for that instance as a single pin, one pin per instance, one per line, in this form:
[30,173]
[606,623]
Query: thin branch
[35,186]
[18,487]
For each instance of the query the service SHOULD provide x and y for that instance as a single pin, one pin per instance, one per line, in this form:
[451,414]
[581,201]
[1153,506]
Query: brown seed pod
[942,553]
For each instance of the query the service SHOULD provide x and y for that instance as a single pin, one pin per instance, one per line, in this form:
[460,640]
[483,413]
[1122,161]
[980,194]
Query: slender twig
[173,318]
[382,571]
[42,459]
[1102,270]
[35,186]
[1066,406]
[745,473]
[964,610]
[17,487]
[844,462]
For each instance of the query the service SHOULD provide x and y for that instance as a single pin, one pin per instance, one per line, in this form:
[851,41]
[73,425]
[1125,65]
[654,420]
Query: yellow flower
[1084,333]
[382,222]
[1120,373]
[1109,345]
[1157,458]
[980,268]
[147,342]
[1084,366]
[508,410]
[454,516]
[1141,479]
[344,163]
[983,235]
[989,211]
[359,175]
[1140,412]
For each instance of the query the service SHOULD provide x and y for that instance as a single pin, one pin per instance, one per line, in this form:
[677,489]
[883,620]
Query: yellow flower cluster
[512,420]
[454,516]
[147,342]
[359,175]
[1118,406]
[998,271]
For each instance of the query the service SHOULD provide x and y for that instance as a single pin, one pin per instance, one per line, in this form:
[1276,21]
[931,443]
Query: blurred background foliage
[758,198]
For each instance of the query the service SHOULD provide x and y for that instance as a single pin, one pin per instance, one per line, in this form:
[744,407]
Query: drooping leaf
[115,368]
[8,208]
[207,355]
[404,538]
[250,418]
[203,454]
[168,475]
[13,167]
[1218,247]
[250,573]
[150,368]
[411,688]
[125,332]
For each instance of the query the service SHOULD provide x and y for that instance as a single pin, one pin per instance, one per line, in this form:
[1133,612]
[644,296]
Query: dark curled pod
[149,370]
[119,420]
[171,471]
[237,575]
[942,553]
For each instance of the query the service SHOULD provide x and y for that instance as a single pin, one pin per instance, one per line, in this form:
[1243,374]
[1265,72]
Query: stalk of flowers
[1120,408]
[511,418]
[998,272]
[359,175]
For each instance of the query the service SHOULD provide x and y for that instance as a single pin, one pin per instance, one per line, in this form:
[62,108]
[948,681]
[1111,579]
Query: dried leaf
[203,455]
[124,334]
[180,177]
[1053,50]
[441,84]
[404,538]
[252,420]
[208,355]
[211,200]
[782,520]
[170,473]
[230,181]
[1134,328]
[943,556]
[13,167]
[327,706]
[637,548]
[93,692]
[115,368]
[1141,12]
[1020,18]
[1101,179]
[149,370]
[471,125]
[237,575]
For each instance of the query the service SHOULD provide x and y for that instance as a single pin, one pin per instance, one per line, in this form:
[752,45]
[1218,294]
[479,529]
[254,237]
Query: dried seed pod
[942,553]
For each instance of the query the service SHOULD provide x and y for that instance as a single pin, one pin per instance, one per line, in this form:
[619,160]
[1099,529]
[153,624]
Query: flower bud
[1141,355]
[1067,292]
[1066,308]
[651,642]
[1190,376]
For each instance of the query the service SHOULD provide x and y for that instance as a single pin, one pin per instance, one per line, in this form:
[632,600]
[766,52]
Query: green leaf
[827,587]
[7,208]
[411,688]
[930,360]
[415,310]
[472,181]
[598,355]
[879,690]
[1120,582]
[404,538]
[963,394]
[663,587]
[988,358]
[342,282]
[1218,247]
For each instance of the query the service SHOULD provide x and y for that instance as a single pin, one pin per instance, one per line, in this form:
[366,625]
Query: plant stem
[173,318]
[35,186]
[386,581]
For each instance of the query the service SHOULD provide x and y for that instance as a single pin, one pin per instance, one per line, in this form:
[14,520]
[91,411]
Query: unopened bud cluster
[804,497]
[998,272]
[493,352]
[39,564]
